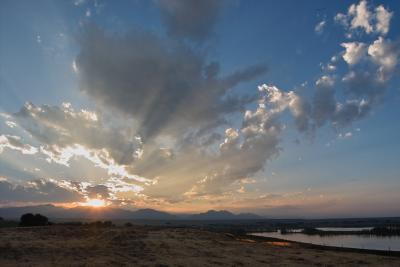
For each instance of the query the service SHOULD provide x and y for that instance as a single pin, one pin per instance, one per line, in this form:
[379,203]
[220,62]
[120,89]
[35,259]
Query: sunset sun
[97,203]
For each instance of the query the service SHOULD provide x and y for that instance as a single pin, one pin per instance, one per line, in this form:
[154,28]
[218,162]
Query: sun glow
[95,203]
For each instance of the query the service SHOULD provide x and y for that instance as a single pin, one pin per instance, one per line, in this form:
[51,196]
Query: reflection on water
[350,241]
[279,244]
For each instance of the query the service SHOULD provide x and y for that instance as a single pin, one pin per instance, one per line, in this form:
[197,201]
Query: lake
[343,229]
[349,241]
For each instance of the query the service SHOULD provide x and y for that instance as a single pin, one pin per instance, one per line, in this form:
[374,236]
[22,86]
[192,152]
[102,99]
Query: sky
[280,108]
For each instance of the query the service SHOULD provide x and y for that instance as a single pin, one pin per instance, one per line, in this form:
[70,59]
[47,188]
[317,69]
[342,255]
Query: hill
[223,215]
[112,213]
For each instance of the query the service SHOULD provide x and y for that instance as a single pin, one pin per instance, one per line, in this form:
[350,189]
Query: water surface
[349,241]
[344,229]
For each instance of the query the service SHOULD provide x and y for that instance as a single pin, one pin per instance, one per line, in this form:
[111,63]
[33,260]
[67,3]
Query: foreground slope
[145,246]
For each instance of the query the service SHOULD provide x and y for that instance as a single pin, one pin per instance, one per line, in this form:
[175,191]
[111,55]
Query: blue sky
[135,73]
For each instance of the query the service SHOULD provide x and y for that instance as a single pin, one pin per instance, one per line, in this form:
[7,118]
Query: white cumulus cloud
[355,51]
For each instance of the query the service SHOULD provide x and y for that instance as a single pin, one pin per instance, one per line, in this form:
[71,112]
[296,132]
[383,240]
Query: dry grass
[141,246]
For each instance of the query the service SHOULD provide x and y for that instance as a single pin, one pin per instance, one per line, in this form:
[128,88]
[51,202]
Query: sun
[97,203]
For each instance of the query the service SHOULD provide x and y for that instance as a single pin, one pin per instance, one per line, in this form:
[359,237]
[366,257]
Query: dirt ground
[143,246]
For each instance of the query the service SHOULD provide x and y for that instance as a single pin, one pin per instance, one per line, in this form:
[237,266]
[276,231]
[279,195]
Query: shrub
[128,224]
[237,231]
[29,219]
[100,224]
[71,223]
[311,231]
[108,224]
[7,223]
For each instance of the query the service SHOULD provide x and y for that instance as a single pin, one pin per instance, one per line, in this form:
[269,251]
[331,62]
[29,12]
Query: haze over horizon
[187,106]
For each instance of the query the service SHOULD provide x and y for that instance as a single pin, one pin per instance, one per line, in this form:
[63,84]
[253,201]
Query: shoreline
[326,248]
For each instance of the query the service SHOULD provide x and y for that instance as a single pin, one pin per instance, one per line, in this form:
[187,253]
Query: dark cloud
[37,191]
[364,84]
[98,191]
[362,90]
[171,91]
[302,113]
[350,112]
[168,88]
[323,105]
[190,19]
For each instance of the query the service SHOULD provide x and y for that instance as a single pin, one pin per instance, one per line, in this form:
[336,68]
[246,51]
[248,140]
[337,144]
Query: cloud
[355,52]
[196,172]
[245,152]
[362,91]
[385,54]
[325,81]
[341,19]
[58,191]
[64,134]
[11,124]
[178,131]
[364,85]
[40,190]
[179,102]
[345,135]
[298,107]
[349,111]
[59,140]
[382,52]
[319,28]
[79,2]
[60,127]
[14,143]
[258,139]
[383,17]
[361,18]
[323,101]
[370,69]
[98,191]
[190,19]
[368,81]
[166,88]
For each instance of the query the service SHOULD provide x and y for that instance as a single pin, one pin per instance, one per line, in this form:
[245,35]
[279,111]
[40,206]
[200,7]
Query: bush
[237,231]
[108,224]
[71,223]
[100,224]
[7,223]
[29,219]
[128,224]
[311,231]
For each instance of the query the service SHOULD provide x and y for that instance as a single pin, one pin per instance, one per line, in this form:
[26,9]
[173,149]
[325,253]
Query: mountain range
[111,213]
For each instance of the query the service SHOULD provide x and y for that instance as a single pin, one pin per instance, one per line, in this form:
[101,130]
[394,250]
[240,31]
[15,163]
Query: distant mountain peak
[112,213]
[219,211]
[223,215]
